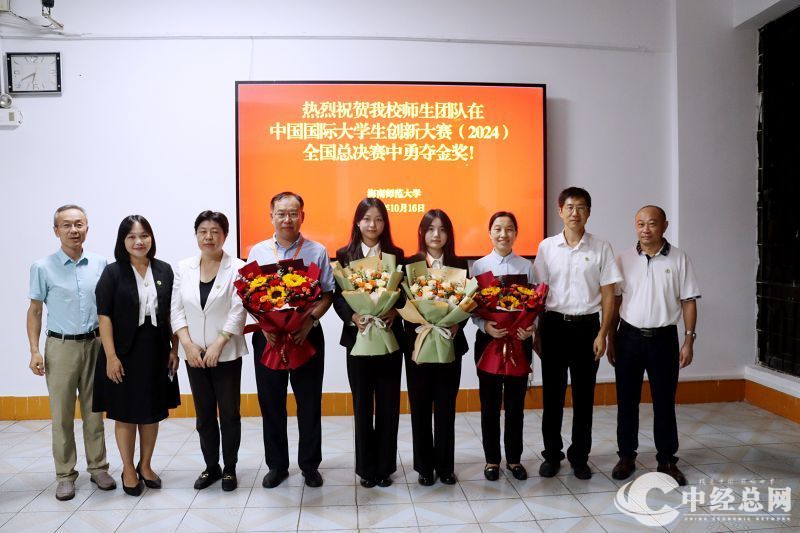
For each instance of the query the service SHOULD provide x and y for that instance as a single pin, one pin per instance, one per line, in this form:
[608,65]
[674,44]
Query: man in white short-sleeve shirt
[580,270]
[659,287]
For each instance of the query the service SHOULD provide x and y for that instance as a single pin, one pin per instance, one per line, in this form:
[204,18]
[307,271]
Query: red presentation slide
[469,149]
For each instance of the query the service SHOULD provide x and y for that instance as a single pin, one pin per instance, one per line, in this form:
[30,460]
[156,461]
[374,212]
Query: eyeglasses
[291,215]
[582,209]
[66,226]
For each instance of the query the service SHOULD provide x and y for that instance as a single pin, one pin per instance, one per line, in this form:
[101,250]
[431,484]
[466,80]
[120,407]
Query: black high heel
[150,483]
[131,491]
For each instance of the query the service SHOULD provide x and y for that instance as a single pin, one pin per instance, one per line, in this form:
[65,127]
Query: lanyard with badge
[296,253]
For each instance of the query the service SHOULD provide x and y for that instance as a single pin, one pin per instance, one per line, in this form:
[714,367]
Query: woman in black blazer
[434,386]
[135,381]
[374,379]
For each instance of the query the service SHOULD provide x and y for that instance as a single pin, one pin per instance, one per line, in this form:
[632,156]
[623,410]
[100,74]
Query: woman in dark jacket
[374,379]
[434,386]
[135,381]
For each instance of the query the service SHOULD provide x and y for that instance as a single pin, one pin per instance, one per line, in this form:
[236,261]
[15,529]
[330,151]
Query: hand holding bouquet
[370,287]
[438,298]
[280,296]
[511,303]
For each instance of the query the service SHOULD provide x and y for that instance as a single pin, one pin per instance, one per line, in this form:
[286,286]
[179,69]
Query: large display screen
[469,149]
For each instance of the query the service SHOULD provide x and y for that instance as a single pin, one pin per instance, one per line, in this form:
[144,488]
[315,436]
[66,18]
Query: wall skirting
[340,403]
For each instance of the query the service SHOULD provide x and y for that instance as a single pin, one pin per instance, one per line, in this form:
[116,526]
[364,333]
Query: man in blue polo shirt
[286,211]
[65,282]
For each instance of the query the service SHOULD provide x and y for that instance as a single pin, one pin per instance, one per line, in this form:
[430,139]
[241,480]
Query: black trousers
[218,388]
[375,385]
[433,388]
[568,346]
[307,388]
[656,352]
[508,393]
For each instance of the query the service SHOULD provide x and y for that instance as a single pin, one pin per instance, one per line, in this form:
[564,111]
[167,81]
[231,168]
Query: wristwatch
[316,321]
[691,334]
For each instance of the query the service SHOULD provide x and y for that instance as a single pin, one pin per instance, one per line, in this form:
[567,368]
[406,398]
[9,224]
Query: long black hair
[449,250]
[120,253]
[385,240]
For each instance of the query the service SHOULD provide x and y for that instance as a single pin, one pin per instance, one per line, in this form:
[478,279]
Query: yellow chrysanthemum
[293,280]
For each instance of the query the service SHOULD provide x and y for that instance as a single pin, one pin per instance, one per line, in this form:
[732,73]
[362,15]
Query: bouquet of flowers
[370,287]
[438,298]
[280,296]
[512,303]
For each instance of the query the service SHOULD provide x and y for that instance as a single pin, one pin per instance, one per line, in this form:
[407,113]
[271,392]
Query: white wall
[146,124]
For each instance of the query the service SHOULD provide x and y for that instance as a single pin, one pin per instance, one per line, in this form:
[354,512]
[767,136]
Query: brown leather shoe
[624,468]
[672,470]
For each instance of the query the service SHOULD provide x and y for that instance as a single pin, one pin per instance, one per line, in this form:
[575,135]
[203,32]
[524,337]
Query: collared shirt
[371,252]
[501,266]
[148,297]
[67,288]
[434,263]
[575,275]
[654,287]
[312,252]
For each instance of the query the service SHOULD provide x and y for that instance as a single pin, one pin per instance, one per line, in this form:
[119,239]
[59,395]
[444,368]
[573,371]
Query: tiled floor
[723,446]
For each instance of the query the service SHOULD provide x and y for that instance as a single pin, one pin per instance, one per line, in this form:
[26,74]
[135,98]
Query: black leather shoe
[149,483]
[582,471]
[426,480]
[274,478]
[384,482]
[672,470]
[313,478]
[367,483]
[132,491]
[518,471]
[492,473]
[207,478]
[624,468]
[549,468]
[229,481]
[448,479]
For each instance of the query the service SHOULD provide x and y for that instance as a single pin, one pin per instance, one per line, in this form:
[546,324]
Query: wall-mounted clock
[33,73]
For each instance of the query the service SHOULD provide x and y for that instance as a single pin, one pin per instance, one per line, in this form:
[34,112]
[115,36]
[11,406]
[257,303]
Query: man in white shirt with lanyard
[286,210]
[581,273]
[659,287]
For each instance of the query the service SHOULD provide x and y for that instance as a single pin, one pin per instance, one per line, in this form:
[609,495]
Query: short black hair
[285,194]
[500,214]
[120,253]
[212,216]
[574,192]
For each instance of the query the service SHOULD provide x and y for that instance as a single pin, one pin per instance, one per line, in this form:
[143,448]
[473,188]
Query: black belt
[646,332]
[574,318]
[81,337]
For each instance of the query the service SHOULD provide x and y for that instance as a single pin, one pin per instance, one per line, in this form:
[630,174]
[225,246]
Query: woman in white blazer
[208,318]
